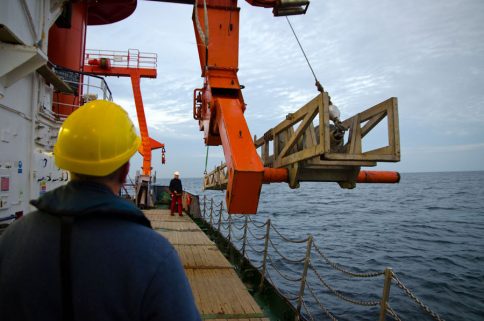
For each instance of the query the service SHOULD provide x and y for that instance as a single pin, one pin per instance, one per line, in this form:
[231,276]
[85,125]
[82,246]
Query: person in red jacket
[176,193]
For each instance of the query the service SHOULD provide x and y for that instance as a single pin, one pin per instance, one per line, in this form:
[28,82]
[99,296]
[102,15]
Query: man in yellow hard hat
[87,254]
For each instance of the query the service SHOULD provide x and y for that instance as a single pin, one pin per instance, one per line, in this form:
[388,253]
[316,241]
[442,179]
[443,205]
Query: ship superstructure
[42,81]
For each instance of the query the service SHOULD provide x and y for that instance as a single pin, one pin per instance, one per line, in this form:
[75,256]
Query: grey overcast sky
[429,54]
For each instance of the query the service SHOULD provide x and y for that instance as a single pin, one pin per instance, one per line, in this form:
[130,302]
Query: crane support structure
[304,147]
[135,65]
[219,106]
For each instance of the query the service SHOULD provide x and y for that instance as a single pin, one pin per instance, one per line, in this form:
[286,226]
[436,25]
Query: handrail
[131,58]
[241,238]
[90,91]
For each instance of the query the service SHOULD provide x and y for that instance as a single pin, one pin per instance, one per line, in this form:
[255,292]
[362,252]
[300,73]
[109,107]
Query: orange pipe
[275,175]
[378,177]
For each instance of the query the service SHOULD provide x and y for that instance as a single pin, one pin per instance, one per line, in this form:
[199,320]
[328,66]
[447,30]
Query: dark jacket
[121,269]
[176,186]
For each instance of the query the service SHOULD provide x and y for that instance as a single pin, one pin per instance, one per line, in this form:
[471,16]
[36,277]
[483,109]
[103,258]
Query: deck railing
[90,87]
[256,242]
[131,58]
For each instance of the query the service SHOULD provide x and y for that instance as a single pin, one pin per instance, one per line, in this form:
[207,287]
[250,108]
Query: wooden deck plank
[219,293]
[226,293]
[186,238]
[202,257]
[175,225]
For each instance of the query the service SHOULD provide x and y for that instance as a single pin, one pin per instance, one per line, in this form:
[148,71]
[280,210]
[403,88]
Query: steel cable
[339,268]
[284,257]
[288,239]
[282,274]
[340,295]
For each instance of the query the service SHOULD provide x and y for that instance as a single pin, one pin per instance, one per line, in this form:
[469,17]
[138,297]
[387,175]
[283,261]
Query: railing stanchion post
[307,260]
[264,259]
[386,293]
[220,215]
[211,212]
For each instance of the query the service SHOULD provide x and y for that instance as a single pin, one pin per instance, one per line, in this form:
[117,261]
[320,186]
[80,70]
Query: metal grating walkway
[219,293]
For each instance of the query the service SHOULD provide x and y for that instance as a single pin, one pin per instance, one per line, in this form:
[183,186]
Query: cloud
[429,55]
[446,149]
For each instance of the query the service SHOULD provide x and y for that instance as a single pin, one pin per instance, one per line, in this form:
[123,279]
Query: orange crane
[219,106]
[135,65]
[219,109]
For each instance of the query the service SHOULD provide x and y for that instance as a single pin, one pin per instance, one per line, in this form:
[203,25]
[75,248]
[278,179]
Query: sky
[428,54]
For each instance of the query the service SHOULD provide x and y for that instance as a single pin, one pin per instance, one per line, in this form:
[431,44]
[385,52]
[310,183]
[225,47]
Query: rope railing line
[238,218]
[223,216]
[284,293]
[217,214]
[392,313]
[307,313]
[340,295]
[288,239]
[256,224]
[260,238]
[220,222]
[409,293]
[225,227]
[237,228]
[239,238]
[284,276]
[254,249]
[321,305]
[339,268]
[284,257]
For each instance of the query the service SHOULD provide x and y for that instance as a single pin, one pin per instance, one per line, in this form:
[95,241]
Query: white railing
[131,58]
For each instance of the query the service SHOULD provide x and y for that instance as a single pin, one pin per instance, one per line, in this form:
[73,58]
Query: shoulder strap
[65,268]
[65,253]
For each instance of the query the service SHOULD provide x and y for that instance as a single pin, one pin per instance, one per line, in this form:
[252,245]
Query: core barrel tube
[275,175]
[385,177]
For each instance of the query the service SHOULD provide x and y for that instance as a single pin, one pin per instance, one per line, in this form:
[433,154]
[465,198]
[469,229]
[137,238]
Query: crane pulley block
[290,7]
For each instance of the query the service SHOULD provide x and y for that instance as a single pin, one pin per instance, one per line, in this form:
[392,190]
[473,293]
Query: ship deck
[219,293]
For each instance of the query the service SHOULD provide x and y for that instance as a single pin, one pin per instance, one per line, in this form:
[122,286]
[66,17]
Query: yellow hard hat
[96,139]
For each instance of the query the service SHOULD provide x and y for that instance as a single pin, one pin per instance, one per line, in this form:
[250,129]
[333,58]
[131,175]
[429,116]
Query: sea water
[429,229]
